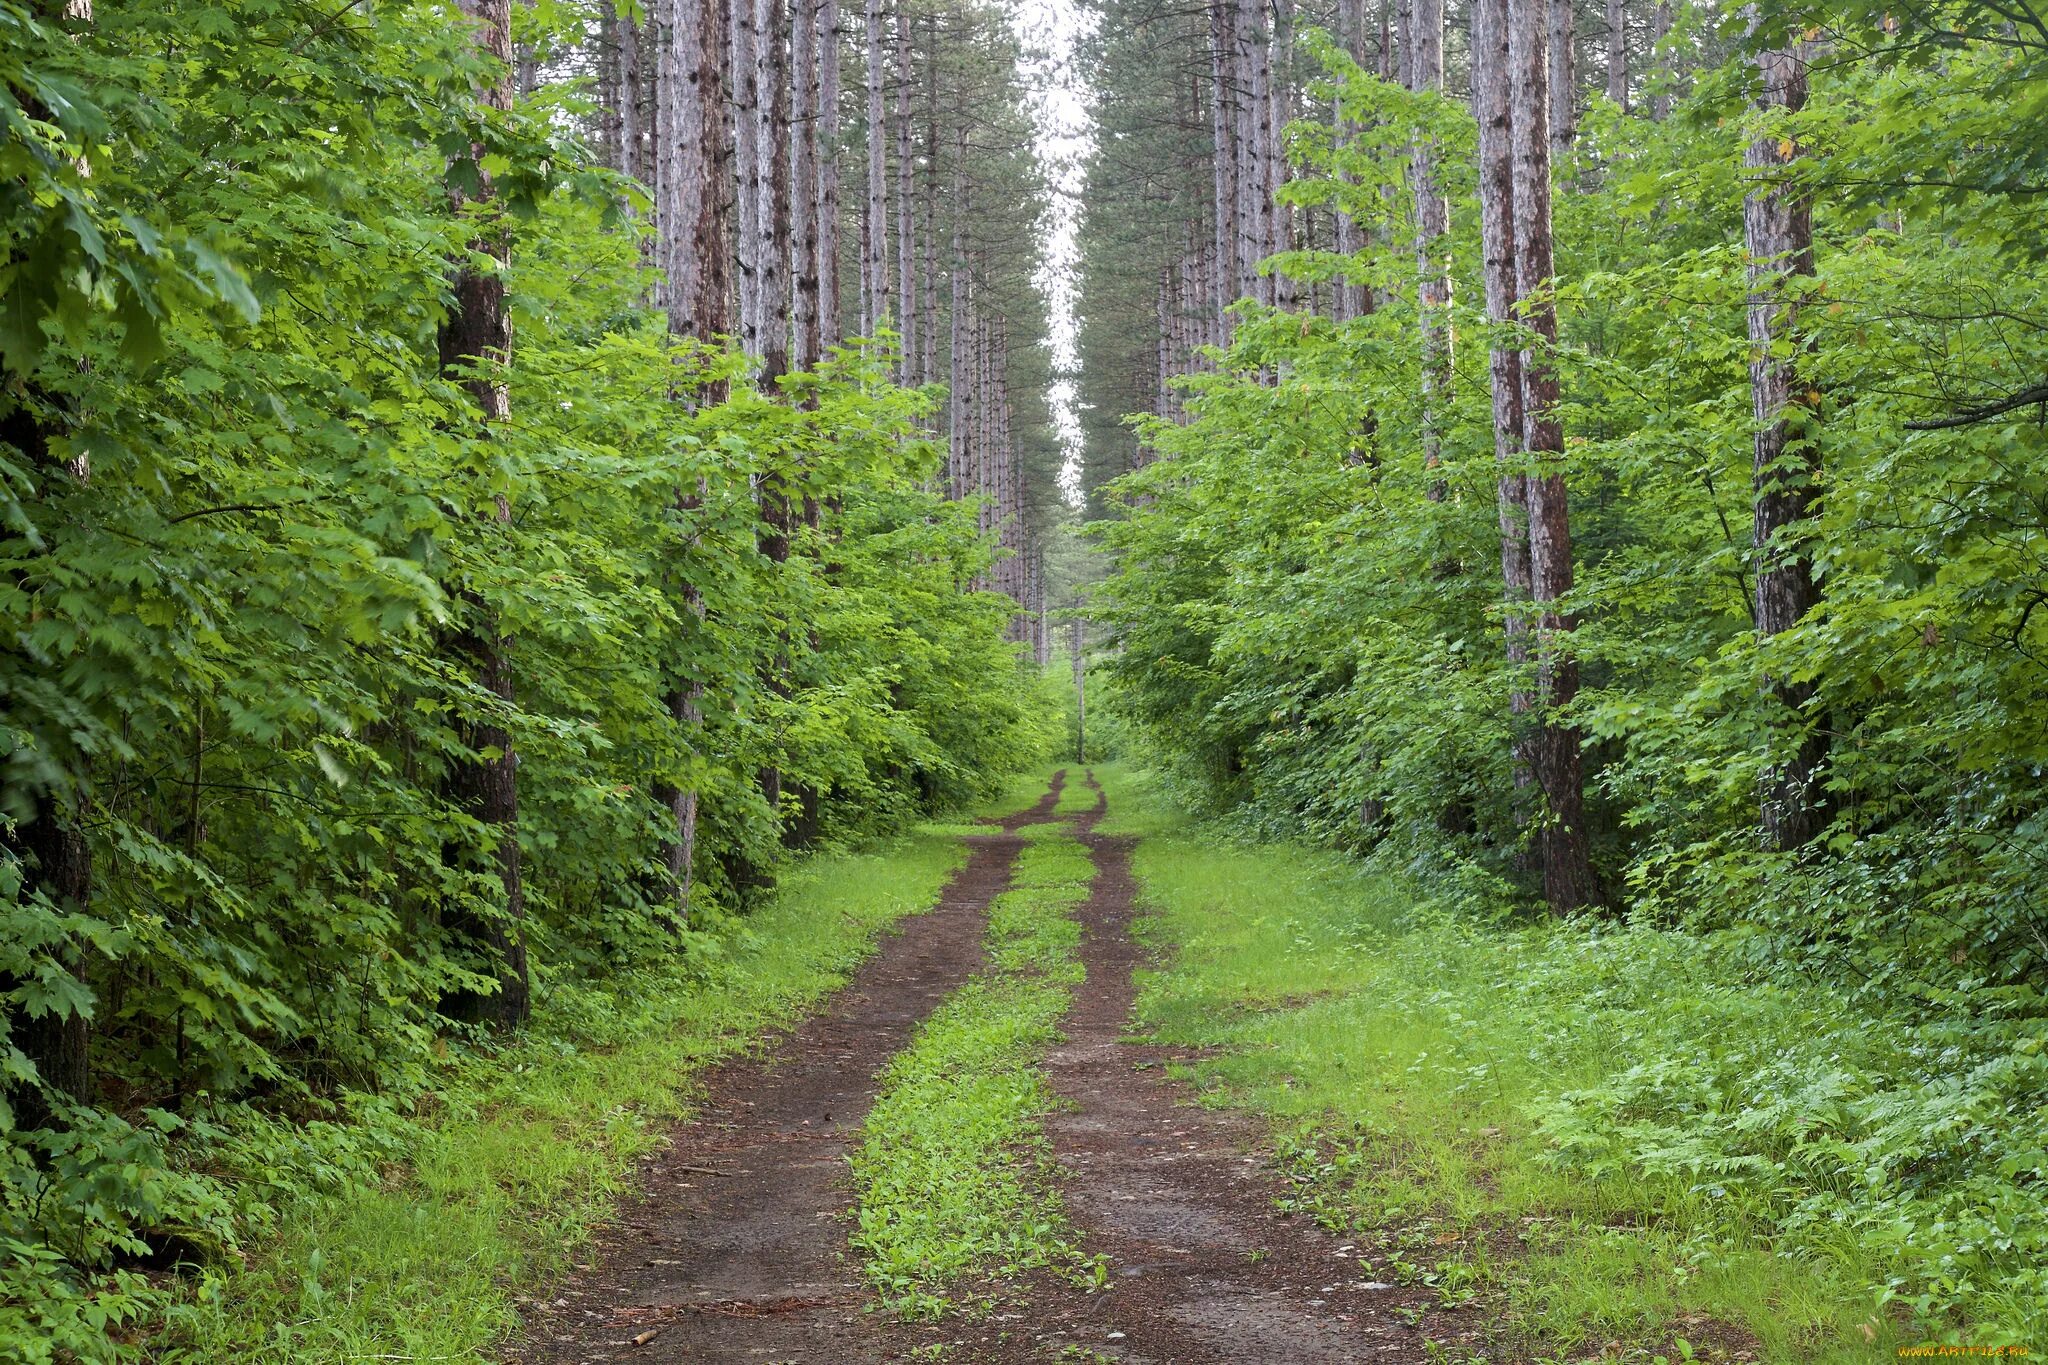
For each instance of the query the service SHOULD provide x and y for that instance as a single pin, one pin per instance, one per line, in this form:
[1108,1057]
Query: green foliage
[1607,1130]
[1309,637]
[243,518]
[954,1174]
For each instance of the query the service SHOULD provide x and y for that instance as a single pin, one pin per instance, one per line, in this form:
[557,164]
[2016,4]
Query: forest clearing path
[751,1264]
[736,1248]
[1180,1198]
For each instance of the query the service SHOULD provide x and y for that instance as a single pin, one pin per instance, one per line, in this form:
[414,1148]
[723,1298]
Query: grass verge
[953,1168]
[425,1252]
[1614,1135]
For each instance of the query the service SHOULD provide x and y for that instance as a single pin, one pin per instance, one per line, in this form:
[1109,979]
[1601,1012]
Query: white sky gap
[1048,31]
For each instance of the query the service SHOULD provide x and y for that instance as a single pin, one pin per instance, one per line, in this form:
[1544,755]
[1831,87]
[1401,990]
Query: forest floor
[737,1247]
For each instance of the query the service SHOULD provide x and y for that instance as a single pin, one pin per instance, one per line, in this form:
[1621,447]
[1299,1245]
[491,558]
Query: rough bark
[1617,53]
[1777,223]
[773,214]
[805,339]
[1350,300]
[474,342]
[874,225]
[1256,174]
[1492,86]
[1279,97]
[928,214]
[1425,63]
[750,154]
[958,305]
[1223,102]
[1567,873]
[906,208]
[691,142]
[829,307]
[1562,76]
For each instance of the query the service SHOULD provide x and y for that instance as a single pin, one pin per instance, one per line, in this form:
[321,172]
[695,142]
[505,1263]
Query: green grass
[1608,1133]
[953,1167]
[532,1147]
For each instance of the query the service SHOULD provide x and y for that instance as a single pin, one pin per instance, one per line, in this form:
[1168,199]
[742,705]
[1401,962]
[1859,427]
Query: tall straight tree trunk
[1492,95]
[1279,101]
[632,112]
[1349,302]
[830,307]
[805,337]
[1777,224]
[1254,39]
[1563,73]
[1617,53]
[773,212]
[906,207]
[875,222]
[1660,29]
[749,114]
[959,305]
[475,337]
[1567,870]
[610,106]
[771,23]
[928,290]
[691,141]
[1223,102]
[1432,237]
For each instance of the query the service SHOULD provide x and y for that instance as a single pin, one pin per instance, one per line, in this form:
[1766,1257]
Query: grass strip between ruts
[954,1170]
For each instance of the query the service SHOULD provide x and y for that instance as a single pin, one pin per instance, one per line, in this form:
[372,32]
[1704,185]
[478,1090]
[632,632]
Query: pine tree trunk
[1563,75]
[1617,53]
[611,87]
[1223,102]
[928,269]
[906,208]
[691,229]
[1279,99]
[749,156]
[1349,302]
[1425,64]
[1567,872]
[875,222]
[830,307]
[1777,222]
[805,338]
[1254,37]
[477,336]
[1492,90]
[773,213]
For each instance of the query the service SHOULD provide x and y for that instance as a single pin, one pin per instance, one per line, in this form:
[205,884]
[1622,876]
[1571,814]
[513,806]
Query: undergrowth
[953,1168]
[1614,1132]
[410,1232]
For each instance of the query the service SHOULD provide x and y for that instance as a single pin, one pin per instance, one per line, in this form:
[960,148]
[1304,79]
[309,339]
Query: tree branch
[1971,416]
